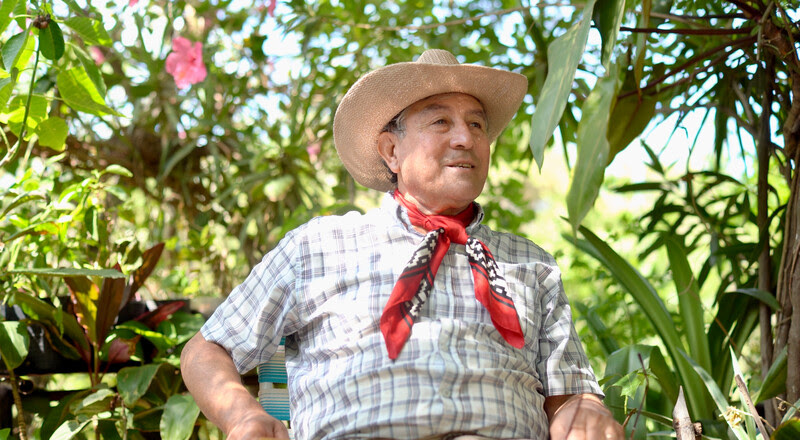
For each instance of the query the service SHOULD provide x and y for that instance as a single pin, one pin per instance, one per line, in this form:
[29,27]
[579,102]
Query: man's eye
[440,121]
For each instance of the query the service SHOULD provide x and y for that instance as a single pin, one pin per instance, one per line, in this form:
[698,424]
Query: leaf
[608,17]
[653,307]
[116,169]
[133,382]
[6,8]
[629,117]
[179,418]
[108,305]
[775,381]
[91,68]
[150,258]
[277,188]
[14,343]
[92,31]
[564,54]
[48,313]
[84,295]
[588,173]
[789,430]
[90,221]
[80,93]
[51,41]
[14,51]
[691,307]
[4,433]
[97,402]
[52,133]
[68,272]
[763,296]
[69,429]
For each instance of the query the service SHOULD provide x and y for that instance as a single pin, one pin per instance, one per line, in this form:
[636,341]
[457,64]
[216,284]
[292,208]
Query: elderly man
[413,320]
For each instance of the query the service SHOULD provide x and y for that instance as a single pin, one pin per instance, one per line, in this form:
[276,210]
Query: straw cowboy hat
[381,94]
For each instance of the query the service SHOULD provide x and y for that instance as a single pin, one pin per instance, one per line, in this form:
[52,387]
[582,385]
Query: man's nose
[461,136]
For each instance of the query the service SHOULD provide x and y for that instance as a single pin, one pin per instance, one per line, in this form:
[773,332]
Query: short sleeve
[250,323]
[562,362]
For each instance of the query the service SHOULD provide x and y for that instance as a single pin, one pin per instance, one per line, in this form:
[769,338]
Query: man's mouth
[461,165]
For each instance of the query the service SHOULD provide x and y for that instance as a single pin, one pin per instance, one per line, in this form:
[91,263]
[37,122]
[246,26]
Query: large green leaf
[85,294]
[108,305]
[133,382]
[691,307]
[775,381]
[6,8]
[41,311]
[14,343]
[92,31]
[51,41]
[587,176]
[635,358]
[179,418]
[79,92]
[70,429]
[787,431]
[95,403]
[608,17]
[653,307]
[68,272]
[564,54]
[52,133]
[18,51]
[719,398]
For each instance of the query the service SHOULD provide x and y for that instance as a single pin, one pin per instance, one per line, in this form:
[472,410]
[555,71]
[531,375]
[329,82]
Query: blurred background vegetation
[655,156]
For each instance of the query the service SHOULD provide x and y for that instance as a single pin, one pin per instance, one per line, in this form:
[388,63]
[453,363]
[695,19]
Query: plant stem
[21,139]
[18,402]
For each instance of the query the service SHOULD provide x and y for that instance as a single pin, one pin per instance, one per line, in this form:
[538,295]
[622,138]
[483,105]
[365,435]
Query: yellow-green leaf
[52,133]
[563,55]
[13,343]
[80,93]
[90,30]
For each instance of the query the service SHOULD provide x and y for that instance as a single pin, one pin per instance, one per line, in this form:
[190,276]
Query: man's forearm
[215,384]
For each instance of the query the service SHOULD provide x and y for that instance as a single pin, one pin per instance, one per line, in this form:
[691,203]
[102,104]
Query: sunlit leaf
[70,429]
[787,431]
[564,54]
[85,295]
[587,176]
[14,343]
[96,402]
[53,133]
[42,311]
[68,272]
[608,17]
[80,93]
[6,8]
[133,382]
[180,415]
[92,31]
[109,304]
[17,51]
[691,307]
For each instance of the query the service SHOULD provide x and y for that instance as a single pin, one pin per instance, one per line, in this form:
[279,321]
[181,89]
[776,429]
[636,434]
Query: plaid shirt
[324,287]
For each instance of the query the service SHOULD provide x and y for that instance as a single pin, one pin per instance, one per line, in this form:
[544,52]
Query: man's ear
[386,148]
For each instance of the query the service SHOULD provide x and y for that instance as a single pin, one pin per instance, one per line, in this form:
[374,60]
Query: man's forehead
[448,101]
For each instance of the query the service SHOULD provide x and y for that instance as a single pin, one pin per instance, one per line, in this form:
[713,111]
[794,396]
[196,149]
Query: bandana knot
[416,282]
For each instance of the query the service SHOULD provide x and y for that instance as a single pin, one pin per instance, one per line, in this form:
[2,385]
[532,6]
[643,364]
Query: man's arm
[581,417]
[215,384]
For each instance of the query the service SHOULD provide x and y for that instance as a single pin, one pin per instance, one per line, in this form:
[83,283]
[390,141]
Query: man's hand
[581,417]
[258,426]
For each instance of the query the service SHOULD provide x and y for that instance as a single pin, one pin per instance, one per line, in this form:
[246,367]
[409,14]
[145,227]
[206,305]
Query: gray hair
[396,126]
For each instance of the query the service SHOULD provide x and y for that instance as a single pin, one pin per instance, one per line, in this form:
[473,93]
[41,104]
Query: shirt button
[445,391]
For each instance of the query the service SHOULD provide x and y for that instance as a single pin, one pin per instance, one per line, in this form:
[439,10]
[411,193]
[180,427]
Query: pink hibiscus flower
[185,63]
[132,3]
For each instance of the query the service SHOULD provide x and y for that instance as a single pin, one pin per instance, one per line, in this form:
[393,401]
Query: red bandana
[416,281]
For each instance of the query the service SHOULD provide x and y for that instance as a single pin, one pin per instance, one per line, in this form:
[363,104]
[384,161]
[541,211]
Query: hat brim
[381,94]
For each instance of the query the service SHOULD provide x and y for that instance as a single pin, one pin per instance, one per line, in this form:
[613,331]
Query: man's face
[442,159]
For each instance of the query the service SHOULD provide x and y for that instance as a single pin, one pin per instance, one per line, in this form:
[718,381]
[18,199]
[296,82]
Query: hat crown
[437,56]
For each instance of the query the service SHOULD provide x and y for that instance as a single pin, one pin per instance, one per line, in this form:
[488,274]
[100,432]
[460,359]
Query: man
[412,320]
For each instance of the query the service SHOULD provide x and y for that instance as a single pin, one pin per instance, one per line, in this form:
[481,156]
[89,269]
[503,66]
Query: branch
[746,30]
[689,18]
[695,59]
[751,11]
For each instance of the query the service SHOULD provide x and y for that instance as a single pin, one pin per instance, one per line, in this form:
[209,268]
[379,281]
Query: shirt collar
[390,207]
